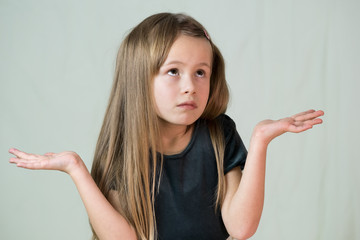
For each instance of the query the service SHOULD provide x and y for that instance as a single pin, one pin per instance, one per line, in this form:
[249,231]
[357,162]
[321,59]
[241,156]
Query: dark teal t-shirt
[185,203]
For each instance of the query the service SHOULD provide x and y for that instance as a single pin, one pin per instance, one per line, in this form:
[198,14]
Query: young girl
[169,164]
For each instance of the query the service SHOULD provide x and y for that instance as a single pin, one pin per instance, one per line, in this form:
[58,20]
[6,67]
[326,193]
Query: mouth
[187,105]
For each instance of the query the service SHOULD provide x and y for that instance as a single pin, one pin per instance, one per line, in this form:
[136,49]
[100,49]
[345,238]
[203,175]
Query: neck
[174,138]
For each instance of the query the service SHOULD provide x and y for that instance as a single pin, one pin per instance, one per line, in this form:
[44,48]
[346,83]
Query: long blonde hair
[130,131]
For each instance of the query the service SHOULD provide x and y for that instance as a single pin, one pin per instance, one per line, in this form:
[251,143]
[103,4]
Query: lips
[187,105]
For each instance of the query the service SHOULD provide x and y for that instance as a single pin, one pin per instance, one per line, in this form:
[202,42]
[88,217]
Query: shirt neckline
[188,147]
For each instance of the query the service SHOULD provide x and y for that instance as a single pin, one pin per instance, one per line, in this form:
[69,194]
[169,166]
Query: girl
[168,162]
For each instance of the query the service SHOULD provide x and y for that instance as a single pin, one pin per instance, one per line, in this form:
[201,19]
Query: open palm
[270,129]
[63,161]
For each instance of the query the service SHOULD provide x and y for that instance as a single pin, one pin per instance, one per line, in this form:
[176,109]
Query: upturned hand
[267,130]
[64,161]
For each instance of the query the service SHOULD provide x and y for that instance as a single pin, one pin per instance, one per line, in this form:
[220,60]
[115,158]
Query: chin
[188,120]
[180,120]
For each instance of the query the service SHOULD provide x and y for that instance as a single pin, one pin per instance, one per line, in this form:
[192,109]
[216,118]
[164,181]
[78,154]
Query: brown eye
[200,73]
[173,72]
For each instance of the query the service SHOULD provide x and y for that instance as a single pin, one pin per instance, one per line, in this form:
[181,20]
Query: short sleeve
[235,151]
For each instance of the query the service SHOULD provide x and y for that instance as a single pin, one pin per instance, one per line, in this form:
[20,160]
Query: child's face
[181,88]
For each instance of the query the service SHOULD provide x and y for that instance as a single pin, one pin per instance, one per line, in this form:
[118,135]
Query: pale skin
[242,207]
[185,74]
[244,199]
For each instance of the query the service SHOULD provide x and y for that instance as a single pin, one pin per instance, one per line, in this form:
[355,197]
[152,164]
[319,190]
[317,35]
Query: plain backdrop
[283,56]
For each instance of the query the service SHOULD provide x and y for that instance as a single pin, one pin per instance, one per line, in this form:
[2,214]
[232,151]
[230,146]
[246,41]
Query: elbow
[242,236]
[244,232]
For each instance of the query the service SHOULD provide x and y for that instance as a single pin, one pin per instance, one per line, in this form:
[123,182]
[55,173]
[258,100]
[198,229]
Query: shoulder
[227,125]
[225,120]
[235,151]
[222,122]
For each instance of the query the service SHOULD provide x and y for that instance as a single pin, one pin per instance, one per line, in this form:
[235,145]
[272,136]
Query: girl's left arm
[243,203]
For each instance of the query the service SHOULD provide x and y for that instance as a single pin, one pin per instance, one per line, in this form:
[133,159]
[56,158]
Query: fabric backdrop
[283,56]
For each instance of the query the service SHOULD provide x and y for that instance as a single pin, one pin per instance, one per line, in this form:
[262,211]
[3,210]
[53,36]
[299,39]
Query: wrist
[259,138]
[76,165]
[258,144]
[265,131]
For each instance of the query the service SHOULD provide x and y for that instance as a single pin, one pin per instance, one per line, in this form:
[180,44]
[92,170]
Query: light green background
[56,67]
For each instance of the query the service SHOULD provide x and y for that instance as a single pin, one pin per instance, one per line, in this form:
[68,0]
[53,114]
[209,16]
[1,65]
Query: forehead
[190,50]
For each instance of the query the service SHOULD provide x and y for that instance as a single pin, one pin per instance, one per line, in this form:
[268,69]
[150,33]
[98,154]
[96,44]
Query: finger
[49,154]
[299,128]
[17,160]
[302,126]
[14,160]
[303,113]
[313,122]
[30,164]
[21,154]
[22,162]
[309,116]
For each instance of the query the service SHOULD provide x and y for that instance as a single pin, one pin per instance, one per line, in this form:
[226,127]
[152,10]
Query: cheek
[205,91]
[160,91]
[163,96]
[206,95]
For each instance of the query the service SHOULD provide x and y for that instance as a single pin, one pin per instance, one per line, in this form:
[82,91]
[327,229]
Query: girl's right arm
[107,222]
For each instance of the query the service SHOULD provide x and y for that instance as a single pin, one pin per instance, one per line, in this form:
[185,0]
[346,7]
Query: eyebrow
[179,62]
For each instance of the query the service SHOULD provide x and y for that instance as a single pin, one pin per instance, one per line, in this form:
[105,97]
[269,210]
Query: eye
[200,73]
[173,72]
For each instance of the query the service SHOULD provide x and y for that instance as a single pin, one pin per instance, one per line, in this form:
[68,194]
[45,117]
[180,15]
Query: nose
[188,85]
